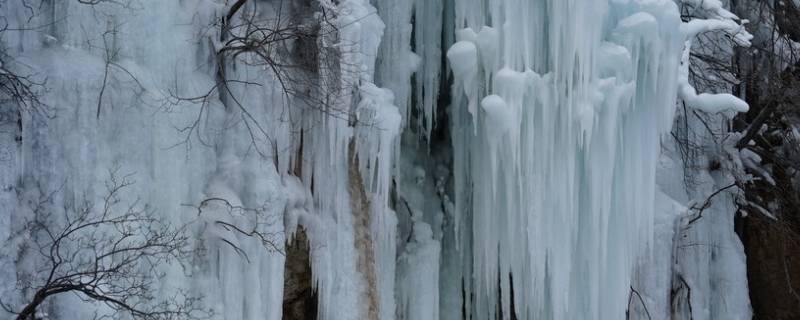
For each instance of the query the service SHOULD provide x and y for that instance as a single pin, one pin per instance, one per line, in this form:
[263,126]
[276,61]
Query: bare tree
[766,75]
[297,43]
[108,253]
[245,221]
[16,88]
[289,45]
[19,89]
[770,77]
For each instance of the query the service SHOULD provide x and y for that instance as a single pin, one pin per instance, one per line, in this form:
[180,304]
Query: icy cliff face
[483,159]
[559,146]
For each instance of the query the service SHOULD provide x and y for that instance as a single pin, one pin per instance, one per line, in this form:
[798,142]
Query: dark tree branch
[707,203]
[630,299]
[110,255]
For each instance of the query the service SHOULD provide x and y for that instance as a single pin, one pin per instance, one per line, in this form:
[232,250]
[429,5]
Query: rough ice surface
[563,210]
[165,52]
[418,275]
[544,216]
[553,194]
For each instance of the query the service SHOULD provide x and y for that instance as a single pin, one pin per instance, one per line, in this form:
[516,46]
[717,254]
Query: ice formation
[547,196]
[565,206]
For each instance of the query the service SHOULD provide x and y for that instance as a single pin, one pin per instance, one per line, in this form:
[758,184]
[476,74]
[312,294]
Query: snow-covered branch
[716,19]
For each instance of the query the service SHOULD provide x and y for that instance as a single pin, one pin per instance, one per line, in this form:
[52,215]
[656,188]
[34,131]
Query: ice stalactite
[410,64]
[350,163]
[376,158]
[558,112]
[428,35]
[418,274]
[556,145]
[413,44]
[211,148]
[397,62]
[527,190]
[709,272]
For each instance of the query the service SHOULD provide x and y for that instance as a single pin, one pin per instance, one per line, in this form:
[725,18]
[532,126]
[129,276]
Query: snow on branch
[716,19]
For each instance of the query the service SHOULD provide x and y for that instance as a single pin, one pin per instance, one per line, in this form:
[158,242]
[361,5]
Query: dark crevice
[299,297]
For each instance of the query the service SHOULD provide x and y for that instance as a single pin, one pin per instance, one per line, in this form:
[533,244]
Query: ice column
[557,114]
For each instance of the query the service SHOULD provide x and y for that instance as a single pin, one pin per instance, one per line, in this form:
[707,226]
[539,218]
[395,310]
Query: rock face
[299,296]
[359,203]
[773,267]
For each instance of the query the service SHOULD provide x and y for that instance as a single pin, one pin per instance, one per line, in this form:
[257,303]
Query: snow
[711,103]
[722,20]
[752,161]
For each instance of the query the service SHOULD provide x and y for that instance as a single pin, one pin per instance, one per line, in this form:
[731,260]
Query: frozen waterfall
[445,159]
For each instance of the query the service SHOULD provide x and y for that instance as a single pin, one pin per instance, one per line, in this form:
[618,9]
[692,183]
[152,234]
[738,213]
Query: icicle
[560,182]
[427,45]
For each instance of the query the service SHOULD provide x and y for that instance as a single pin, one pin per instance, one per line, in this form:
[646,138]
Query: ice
[565,204]
[166,51]
[427,45]
[710,260]
[752,161]
[641,22]
[720,20]
[376,155]
[498,116]
[397,62]
[418,275]
[463,58]
[549,192]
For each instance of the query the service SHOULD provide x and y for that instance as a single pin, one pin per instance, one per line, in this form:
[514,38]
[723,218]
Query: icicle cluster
[558,111]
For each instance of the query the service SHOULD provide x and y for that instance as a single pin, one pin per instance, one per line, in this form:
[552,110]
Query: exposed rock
[359,203]
[773,267]
[299,296]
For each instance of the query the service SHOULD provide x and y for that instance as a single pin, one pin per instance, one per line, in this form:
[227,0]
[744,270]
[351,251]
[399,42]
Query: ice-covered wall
[135,85]
[558,137]
[559,110]
[536,194]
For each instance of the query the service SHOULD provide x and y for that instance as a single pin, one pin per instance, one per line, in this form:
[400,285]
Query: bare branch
[109,254]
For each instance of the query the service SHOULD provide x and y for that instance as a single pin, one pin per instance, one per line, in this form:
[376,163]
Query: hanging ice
[527,189]
[555,174]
